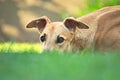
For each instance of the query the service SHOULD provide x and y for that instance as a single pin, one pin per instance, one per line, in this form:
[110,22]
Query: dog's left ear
[39,23]
[71,24]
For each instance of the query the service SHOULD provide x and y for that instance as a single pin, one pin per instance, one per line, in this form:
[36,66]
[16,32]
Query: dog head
[56,35]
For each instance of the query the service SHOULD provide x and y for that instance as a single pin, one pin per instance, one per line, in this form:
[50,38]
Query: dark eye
[59,39]
[43,38]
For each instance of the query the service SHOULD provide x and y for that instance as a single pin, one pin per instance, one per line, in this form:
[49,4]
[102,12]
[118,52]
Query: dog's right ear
[39,23]
[71,24]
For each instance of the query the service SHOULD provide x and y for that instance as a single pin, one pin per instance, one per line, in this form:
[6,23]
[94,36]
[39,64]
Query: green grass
[90,6]
[18,47]
[24,62]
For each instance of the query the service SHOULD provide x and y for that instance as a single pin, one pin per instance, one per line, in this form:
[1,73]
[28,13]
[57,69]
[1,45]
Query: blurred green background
[15,14]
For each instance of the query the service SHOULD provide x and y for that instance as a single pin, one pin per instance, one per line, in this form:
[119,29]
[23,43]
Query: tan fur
[103,32]
[104,29]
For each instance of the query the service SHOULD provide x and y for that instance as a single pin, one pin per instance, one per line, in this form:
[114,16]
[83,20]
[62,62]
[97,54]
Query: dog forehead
[54,26]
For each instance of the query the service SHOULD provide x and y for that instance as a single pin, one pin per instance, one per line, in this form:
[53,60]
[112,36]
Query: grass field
[25,62]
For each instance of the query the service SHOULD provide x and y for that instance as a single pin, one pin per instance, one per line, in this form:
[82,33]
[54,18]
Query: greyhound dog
[99,30]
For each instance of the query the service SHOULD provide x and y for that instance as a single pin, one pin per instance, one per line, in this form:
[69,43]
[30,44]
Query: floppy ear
[71,24]
[38,23]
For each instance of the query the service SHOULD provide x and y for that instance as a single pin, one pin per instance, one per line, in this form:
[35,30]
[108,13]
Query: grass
[23,62]
[18,47]
[90,6]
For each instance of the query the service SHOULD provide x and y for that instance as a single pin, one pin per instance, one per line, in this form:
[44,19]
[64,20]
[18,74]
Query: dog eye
[59,39]
[43,38]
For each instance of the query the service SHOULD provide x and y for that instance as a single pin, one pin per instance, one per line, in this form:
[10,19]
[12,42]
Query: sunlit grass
[20,47]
